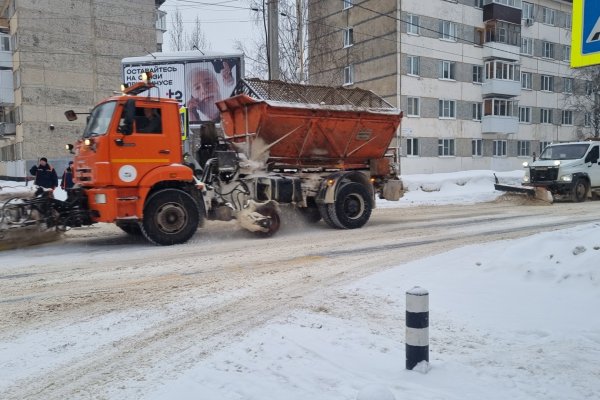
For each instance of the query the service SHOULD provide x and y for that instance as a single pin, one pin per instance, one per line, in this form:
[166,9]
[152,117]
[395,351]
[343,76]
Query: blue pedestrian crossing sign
[585,46]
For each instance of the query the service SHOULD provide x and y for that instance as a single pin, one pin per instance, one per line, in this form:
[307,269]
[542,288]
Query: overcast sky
[223,22]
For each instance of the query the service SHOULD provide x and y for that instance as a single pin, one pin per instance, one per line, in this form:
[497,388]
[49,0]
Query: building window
[547,50]
[547,83]
[524,148]
[447,109]
[543,145]
[499,148]
[503,32]
[349,75]
[447,70]
[478,4]
[500,107]
[476,147]
[348,37]
[527,46]
[413,109]
[501,70]
[587,119]
[412,24]
[477,111]
[4,42]
[566,50]
[525,115]
[568,85]
[347,4]
[414,65]
[447,30]
[528,11]
[545,116]
[568,21]
[445,147]
[526,80]
[548,15]
[477,74]
[567,117]
[412,146]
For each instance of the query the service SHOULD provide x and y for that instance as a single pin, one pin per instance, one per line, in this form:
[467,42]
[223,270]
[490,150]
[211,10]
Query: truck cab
[130,149]
[567,170]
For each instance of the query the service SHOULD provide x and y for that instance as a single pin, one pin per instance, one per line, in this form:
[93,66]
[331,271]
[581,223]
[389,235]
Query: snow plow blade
[538,193]
[24,221]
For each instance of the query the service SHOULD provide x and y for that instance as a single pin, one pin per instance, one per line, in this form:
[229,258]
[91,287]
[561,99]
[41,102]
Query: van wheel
[171,216]
[352,207]
[132,229]
[579,190]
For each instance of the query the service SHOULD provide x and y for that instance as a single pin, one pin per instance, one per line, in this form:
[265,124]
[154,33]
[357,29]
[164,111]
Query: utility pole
[273,38]
[300,39]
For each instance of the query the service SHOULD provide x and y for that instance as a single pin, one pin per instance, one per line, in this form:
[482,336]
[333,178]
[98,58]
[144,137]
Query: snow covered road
[105,315]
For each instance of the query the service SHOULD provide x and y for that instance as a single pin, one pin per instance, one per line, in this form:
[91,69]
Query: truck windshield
[99,119]
[565,152]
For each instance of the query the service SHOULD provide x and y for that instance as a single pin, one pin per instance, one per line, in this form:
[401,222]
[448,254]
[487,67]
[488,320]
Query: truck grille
[543,174]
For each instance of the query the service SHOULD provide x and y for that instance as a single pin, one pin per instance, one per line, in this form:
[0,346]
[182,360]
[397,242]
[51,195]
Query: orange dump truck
[318,149]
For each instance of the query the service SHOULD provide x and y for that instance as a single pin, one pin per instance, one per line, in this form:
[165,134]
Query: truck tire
[579,191]
[324,212]
[132,229]
[171,216]
[352,207]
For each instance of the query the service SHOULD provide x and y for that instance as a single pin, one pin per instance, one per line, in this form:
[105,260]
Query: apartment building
[484,84]
[57,55]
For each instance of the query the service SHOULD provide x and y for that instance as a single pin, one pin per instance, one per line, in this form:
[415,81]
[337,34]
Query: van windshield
[564,152]
[99,119]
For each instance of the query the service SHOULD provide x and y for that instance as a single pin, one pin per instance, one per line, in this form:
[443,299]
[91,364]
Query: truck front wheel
[580,189]
[352,207]
[171,216]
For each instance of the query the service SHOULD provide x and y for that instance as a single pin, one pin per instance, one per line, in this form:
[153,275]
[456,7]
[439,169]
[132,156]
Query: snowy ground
[509,319]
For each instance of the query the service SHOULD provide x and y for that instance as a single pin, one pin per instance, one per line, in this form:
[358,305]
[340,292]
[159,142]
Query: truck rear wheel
[171,216]
[579,190]
[324,212]
[352,207]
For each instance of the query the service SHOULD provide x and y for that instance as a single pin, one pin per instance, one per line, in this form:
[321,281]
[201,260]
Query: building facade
[484,84]
[57,55]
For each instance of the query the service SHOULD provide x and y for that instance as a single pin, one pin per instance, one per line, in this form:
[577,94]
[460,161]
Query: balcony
[503,10]
[7,94]
[499,124]
[498,50]
[501,87]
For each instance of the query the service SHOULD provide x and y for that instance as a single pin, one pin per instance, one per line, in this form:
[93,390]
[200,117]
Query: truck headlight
[525,164]
[557,163]
[566,178]
[526,179]
[100,198]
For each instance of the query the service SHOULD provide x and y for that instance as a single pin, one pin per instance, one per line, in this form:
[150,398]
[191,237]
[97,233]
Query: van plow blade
[538,193]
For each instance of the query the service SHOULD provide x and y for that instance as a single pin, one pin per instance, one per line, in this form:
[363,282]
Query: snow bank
[511,319]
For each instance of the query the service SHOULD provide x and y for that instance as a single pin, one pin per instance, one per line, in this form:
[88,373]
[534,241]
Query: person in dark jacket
[67,177]
[45,175]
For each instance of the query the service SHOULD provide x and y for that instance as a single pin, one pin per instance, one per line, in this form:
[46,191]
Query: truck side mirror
[71,116]
[126,128]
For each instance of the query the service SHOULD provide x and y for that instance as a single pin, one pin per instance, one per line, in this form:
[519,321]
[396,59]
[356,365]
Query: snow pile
[25,189]
[511,319]
[464,187]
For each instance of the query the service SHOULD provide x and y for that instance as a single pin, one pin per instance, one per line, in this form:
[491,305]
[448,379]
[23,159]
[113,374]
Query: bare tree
[585,98]
[177,32]
[292,40]
[196,38]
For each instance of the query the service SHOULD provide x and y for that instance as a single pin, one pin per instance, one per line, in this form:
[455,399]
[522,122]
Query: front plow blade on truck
[538,193]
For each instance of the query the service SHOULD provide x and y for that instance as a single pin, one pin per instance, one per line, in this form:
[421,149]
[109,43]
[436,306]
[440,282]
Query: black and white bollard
[417,326]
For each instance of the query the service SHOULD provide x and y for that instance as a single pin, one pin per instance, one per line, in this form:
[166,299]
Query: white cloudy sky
[223,21]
